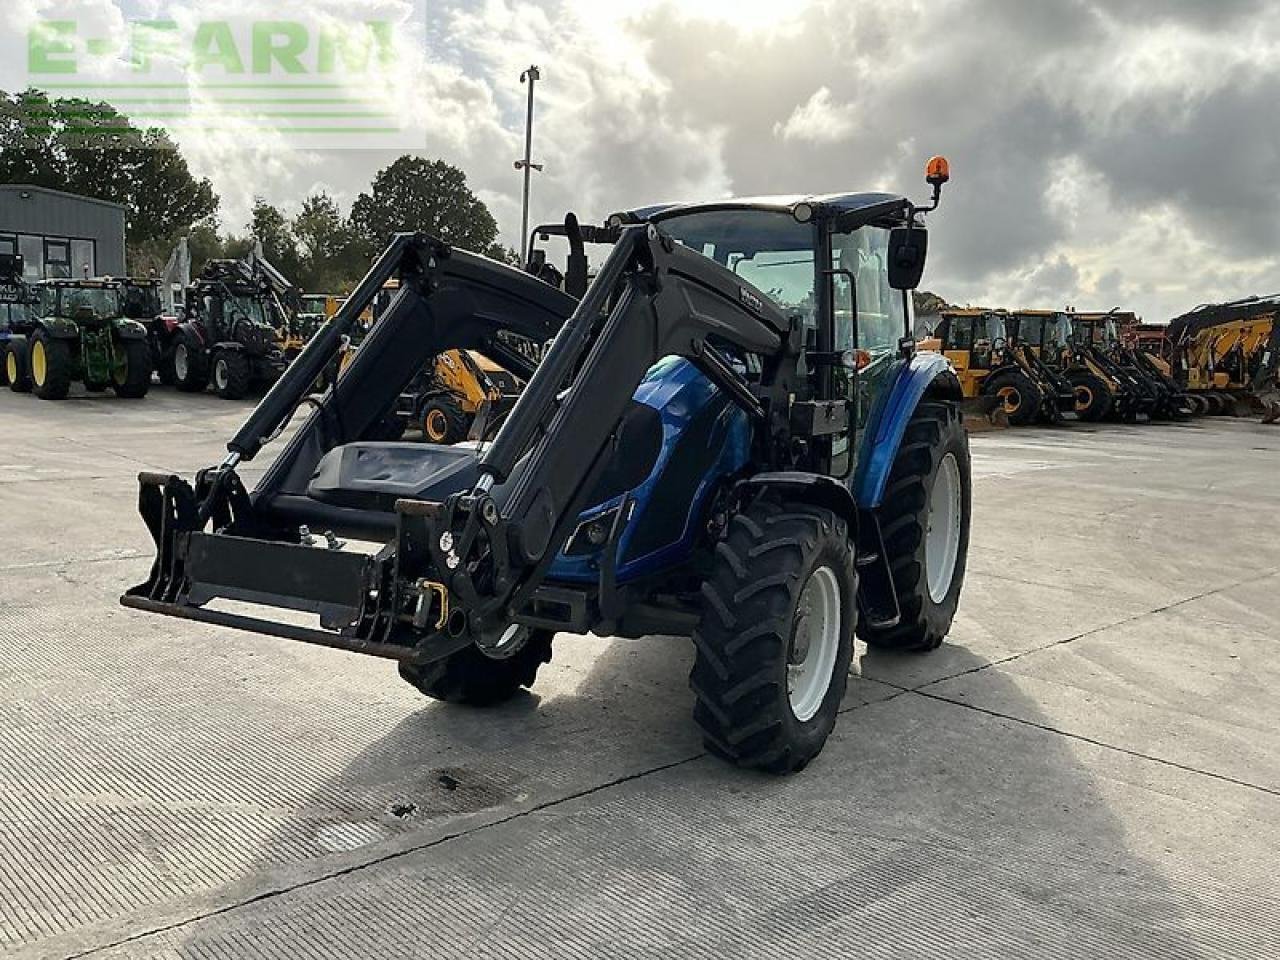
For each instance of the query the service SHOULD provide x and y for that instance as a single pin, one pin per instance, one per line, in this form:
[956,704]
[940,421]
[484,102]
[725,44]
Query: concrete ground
[1090,767]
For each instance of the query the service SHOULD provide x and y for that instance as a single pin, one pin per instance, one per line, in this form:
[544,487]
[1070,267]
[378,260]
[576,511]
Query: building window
[84,260]
[32,250]
[57,259]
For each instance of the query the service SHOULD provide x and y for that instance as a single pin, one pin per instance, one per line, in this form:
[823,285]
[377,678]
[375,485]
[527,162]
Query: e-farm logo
[328,80]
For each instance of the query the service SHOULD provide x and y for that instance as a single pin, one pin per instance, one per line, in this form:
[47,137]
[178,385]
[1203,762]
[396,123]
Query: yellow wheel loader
[996,374]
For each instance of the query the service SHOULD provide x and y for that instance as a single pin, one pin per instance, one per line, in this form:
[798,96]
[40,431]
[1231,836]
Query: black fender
[59,328]
[129,330]
[811,488]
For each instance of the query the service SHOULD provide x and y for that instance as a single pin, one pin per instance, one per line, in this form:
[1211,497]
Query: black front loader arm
[460,571]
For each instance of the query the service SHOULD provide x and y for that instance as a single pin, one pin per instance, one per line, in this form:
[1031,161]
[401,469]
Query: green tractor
[78,331]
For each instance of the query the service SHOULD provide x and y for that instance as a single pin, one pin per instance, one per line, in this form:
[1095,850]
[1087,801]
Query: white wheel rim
[180,361]
[815,641]
[220,374]
[942,540]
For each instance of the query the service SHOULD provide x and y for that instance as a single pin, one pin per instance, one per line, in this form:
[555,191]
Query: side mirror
[908,249]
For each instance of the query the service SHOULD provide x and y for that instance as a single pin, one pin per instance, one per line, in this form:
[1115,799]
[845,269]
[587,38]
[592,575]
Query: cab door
[869,321]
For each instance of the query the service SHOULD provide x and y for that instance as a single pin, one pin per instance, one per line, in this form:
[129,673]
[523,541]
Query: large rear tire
[133,380]
[925,522]
[775,641]
[51,367]
[471,677]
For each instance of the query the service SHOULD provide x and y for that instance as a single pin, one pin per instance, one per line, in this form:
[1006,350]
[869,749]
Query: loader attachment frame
[462,569]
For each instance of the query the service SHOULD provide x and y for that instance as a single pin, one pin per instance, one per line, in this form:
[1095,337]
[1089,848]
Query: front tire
[51,367]
[133,380]
[232,374]
[925,523]
[17,363]
[775,641]
[472,678]
[1093,397]
[1019,396]
[190,363]
[443,421]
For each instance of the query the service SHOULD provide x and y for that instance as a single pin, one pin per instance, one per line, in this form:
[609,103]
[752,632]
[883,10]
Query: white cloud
[1104,151]
[819,120]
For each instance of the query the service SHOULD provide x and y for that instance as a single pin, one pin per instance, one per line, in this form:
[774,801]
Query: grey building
[61,234]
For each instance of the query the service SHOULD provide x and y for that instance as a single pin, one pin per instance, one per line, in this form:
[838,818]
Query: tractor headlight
[592,534]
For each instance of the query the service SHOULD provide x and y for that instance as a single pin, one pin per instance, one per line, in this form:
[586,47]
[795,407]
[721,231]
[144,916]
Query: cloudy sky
[1104,152]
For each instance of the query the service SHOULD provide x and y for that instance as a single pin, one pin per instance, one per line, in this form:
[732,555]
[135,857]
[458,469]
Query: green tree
[90,149]
[427,195]
[329,251]
[274,230]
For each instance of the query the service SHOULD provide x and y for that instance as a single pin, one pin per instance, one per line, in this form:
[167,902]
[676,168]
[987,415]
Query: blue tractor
[730,436]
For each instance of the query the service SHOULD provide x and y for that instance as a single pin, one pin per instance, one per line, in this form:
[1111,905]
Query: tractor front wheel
[232,374]
[17,365]
[1019,396]
[190,363]
[132,378]
[51,367]
[472,677]
[925,524]
[775,640]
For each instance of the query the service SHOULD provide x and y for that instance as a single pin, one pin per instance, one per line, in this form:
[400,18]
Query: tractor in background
[78,331]
[229,332]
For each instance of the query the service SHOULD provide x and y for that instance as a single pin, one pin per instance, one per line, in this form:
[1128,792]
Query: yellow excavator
[1220,348]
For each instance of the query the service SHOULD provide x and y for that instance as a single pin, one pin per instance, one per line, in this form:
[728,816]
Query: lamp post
[531,77]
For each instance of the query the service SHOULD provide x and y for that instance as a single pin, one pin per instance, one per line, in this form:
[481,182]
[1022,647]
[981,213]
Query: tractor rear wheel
[232,374]
[476,679]
[775,641]
[1021,399]
[1093,397]
[443,421]
[51,367]
[190,363]
[133,379]
[925,523]
[17,365]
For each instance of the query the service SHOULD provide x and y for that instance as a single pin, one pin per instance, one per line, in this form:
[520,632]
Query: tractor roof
[870,205]
[102,284]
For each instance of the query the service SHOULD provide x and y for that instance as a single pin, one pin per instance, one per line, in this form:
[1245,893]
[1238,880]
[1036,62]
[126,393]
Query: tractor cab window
[989,332]
[868,312]
[102,302]
[141,302]
[959,334]
[768,249]
[249,308]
